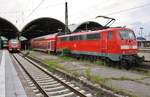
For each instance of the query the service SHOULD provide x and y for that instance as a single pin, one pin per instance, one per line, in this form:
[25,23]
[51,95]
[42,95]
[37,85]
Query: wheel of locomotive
[78,57]
[91,58]
[125,64]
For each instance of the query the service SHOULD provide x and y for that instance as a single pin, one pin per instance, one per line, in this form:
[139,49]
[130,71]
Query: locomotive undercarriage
[131,60]
[126,61]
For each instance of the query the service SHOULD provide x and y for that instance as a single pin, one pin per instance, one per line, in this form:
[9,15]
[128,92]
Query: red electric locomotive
[116,44]
[14,45]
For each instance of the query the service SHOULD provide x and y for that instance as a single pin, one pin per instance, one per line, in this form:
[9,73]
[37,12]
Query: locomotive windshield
[127,34]
[14,41]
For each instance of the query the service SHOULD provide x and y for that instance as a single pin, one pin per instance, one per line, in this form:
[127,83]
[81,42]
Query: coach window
[64,38]
[71,38]
[109,35]
[93,36]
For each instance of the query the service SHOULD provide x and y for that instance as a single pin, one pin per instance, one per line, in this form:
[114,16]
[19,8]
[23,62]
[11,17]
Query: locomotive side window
[109,35]
[127,34]
[81,37]
[64,38]
[77,37]
[93,36]
[71,38]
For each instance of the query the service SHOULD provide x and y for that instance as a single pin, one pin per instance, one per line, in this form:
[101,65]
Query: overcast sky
[131,13]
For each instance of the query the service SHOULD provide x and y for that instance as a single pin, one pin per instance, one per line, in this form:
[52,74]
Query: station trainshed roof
[7,29]
[87,25]
[42,26]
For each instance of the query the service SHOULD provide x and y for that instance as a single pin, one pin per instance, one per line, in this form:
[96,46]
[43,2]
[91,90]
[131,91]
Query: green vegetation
[66,57]
[53,65]
[65,52]
[148,73]
[123,78]
[88,73]
[98,79]
[48,52]
[75,73]
[102,81]
[94,78]
[31,53]
[99,62]
[124,92]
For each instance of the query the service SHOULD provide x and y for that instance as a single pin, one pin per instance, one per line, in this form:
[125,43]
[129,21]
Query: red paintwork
[99,46]
[102,45]
[14,46]
[47,42]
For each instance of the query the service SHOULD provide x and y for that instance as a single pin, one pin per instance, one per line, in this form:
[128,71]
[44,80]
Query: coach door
[49,45]
[103,42]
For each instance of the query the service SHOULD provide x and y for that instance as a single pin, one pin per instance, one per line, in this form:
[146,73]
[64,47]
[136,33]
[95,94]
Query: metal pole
[86,26]
[141,31]
[18,35]
[66,17]
[0,41]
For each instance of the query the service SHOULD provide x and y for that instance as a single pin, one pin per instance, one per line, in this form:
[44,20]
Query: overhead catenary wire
[36,8]
[129,9]
[121,11]
[53,5]
[28,10]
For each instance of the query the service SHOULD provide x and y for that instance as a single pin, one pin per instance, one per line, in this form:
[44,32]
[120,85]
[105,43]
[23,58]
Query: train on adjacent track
[14,45]
[116,44]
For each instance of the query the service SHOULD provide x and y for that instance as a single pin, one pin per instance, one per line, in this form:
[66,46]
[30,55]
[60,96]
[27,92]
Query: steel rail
[49,74]
[36,84]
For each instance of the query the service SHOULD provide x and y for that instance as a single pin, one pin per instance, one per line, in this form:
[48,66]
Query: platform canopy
[7,29]
[87,25]
[42,26]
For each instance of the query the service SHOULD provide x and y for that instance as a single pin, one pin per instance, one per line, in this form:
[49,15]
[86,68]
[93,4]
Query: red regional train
[117,44]
[14,45]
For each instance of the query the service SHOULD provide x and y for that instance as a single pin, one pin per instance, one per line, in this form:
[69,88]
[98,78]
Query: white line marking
[2,75]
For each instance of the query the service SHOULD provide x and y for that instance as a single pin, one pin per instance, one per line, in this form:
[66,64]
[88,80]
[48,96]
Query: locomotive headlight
[124,47]
[134,47]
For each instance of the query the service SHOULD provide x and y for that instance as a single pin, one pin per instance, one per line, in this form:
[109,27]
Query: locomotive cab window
[127,34]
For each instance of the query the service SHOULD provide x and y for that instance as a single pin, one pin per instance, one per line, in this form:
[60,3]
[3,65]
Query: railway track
[47,84]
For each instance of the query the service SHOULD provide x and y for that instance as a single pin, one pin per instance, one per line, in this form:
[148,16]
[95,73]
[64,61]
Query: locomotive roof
[96,31]
[81,32]
[46,36]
